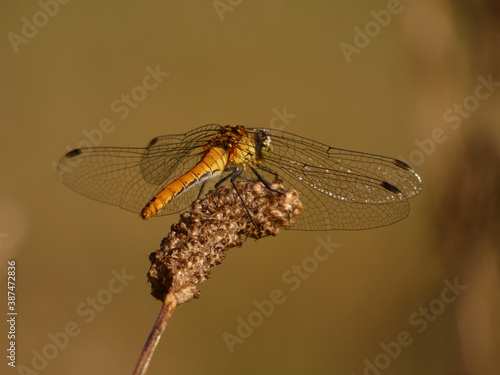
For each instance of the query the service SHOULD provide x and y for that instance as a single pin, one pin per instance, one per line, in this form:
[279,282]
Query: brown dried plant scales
[215,224]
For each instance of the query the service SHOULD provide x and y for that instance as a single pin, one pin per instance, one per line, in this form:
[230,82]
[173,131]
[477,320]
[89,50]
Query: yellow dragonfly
[340,189]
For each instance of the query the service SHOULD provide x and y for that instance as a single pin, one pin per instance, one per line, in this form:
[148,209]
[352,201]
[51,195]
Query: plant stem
[167,309]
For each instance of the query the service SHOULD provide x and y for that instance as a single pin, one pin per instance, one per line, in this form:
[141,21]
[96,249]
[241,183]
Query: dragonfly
[339,189]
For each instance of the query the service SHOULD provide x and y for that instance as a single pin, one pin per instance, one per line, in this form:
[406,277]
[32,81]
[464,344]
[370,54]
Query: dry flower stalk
[220,221]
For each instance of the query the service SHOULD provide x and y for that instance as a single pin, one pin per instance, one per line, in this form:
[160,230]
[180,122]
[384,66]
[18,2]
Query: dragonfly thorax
[238,142]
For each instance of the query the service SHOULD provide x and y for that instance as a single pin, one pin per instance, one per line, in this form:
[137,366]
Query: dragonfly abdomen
[212,163]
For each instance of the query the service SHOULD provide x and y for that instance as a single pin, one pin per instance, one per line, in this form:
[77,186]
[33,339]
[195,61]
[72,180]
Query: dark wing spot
[74,153]
[153,142]
[401,164]
[390,187]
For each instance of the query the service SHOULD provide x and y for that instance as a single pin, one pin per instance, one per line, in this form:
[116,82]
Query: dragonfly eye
[263,147]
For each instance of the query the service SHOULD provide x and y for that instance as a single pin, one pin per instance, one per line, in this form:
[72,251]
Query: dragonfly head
[263,146]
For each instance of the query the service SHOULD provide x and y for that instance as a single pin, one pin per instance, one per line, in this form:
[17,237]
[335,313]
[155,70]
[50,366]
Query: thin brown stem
[167,309]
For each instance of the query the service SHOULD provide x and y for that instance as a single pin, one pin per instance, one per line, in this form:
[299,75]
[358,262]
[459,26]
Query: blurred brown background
[383,77]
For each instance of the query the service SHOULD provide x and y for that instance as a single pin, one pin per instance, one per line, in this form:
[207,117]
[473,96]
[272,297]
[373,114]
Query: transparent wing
[341,189]
[130,177]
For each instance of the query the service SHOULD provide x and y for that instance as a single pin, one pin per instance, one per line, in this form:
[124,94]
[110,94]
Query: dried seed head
[213,225]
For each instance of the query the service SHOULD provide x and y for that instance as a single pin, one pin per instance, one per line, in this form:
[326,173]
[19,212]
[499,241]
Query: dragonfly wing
[130,177]
[167,153]
[341,189]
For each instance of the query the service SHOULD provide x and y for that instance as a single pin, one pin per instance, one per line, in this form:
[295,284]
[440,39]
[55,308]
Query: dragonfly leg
[264,181]
[235,172]
[269,170]
[202,187]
